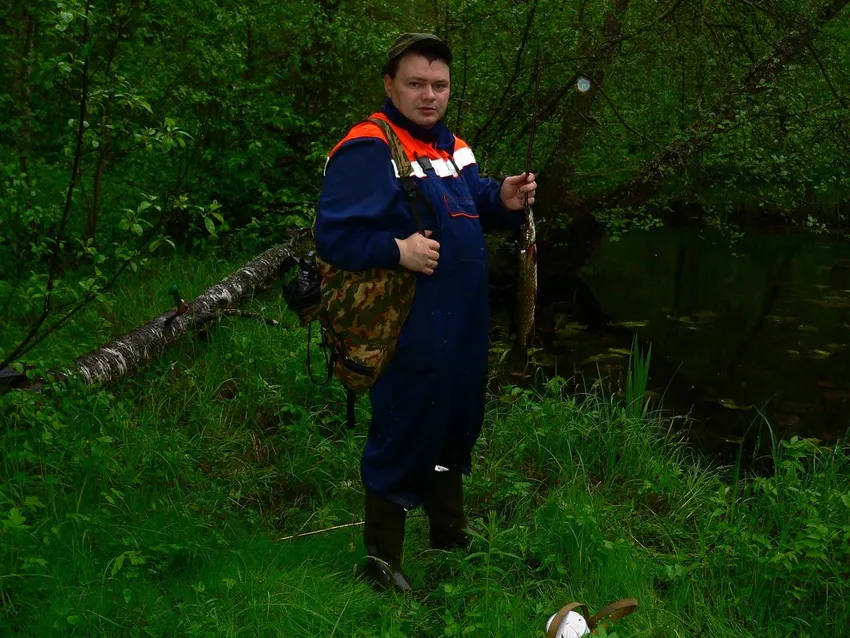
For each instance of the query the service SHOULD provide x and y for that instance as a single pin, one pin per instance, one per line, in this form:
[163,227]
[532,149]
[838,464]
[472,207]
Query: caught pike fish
[527,261]
[526,299]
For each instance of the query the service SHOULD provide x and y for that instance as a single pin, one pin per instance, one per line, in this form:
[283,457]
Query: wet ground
[745,332]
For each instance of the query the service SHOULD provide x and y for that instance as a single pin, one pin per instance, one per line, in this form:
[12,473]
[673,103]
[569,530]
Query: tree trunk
[97,189]
[25,97]
[559,197]
[129,352]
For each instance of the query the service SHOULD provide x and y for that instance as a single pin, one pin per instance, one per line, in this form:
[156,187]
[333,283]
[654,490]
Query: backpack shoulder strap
[350,402]
[396,149]
[404,168]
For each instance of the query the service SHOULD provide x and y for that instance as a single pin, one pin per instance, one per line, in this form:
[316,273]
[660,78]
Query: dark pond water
[744,333]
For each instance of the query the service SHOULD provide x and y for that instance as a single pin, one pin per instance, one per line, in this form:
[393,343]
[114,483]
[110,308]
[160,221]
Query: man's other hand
[418,253]
[514,189]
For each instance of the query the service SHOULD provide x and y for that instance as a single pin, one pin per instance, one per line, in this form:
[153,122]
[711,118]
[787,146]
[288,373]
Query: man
[428,405]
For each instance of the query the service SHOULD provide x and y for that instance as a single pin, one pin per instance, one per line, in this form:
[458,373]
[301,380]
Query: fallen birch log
[127,353]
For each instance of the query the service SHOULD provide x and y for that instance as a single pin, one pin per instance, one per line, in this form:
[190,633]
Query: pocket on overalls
[468,238]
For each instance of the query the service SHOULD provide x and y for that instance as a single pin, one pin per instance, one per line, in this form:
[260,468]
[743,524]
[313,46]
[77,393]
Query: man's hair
[424,48]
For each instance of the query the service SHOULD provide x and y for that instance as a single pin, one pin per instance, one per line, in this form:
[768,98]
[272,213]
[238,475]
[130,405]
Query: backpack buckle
[409,187]
[425,163]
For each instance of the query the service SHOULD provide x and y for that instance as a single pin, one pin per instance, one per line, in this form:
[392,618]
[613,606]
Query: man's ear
[388,83]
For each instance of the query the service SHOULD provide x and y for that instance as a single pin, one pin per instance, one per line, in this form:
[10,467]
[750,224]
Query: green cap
[407,40]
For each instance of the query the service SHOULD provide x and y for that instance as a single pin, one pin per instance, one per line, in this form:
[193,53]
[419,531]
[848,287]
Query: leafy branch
[59,236]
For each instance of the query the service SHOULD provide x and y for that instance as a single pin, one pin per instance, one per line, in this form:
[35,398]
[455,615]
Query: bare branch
[699,135]
[842,101]
[623,121]
[59,236]
[516,72]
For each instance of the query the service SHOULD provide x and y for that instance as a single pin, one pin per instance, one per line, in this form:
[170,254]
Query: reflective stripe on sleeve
[464,157]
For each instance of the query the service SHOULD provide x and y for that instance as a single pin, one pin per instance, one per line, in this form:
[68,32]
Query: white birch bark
[129,352]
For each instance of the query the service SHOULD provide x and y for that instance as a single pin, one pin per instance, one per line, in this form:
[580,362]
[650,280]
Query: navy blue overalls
[428,405]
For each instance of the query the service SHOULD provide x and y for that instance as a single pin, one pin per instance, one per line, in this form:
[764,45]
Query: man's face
[420,89]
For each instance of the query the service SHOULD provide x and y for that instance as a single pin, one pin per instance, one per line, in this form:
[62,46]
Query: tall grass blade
[637,402]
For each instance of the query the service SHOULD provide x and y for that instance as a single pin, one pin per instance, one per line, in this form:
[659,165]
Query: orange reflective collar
[413,147]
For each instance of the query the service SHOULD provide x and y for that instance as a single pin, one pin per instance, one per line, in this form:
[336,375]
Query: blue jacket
[428,404]
[362,209]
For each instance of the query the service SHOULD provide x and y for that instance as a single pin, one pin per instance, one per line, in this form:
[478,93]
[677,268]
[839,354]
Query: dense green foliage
[134,128]
[130,124]
[155,507]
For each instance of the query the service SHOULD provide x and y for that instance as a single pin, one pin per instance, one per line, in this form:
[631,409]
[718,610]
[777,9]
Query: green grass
[155,507]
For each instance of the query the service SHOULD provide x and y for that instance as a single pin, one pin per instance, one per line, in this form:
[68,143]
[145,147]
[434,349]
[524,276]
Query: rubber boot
[443,505]
[383,536]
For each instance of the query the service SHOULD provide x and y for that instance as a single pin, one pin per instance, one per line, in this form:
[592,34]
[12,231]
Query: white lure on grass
[572,626]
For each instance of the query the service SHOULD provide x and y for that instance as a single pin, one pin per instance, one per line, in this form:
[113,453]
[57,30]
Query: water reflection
[745,332]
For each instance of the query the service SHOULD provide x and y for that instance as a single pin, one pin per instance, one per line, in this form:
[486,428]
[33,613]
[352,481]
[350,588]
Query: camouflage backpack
[362,312]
